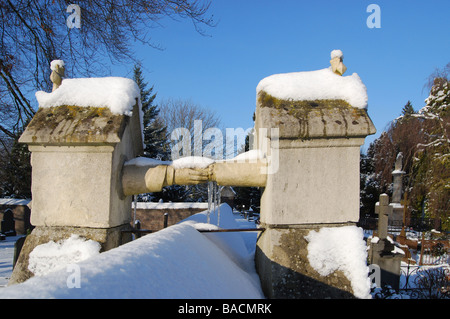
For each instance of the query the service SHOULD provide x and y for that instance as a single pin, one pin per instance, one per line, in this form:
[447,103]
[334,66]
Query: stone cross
[383,210]
[382,253]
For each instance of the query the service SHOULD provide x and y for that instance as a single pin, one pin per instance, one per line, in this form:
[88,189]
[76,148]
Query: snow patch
[52,256]
[54,63]
[341,248]
[119,94]
[173,263]
[192,162]
[316,85]
[336,54]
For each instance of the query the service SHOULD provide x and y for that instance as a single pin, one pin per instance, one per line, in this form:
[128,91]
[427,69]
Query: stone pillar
[397,176]
[77,154]
[396,217]
[313,184]
[383,209]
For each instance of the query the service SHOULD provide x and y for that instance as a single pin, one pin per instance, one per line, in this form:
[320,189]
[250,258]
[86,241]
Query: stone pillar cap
[74,125]
[314,104]
[312,119]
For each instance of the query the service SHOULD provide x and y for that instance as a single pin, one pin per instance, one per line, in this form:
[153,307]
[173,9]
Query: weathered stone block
[316,184]
[77,158]
[282,263]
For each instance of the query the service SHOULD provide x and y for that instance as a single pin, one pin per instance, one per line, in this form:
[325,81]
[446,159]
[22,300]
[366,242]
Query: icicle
[219,191]
[134,215]
[214,197]
[134,209]
[210,196]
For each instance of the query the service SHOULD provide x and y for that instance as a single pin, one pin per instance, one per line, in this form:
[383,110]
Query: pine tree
[369,185]
[156,141]
[431,167]
[408,109]
[15,175]
[155,133]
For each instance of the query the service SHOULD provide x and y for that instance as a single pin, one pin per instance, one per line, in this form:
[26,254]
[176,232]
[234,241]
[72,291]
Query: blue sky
[255,39]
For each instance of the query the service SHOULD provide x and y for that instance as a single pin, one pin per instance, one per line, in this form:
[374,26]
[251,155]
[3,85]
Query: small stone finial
[337,65]
[57,75]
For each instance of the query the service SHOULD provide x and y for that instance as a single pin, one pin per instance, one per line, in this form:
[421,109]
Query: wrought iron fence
[418,282]
[417,224]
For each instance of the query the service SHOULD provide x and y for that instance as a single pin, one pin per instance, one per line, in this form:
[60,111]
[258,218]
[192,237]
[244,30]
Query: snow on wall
[341,248]
[119,94]
[176,262]
[316,85]
[116,93]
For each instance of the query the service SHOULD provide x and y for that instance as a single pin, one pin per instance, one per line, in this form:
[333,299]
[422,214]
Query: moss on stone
[267,100]
[74,124]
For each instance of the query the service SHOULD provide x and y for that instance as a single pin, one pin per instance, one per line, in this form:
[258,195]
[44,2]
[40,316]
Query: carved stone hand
[190,176]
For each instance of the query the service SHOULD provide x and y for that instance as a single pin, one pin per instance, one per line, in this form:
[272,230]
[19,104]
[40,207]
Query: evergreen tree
[431,166]
[155,133]
[408,109]
[156,140]
[15,173]
[369,185]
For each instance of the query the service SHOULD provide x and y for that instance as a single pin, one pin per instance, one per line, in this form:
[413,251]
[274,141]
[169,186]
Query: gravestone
[227,195]
[382,251]
[8,225]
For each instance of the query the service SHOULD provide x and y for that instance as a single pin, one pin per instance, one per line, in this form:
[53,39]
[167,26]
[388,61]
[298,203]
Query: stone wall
[21,213]
[151,215]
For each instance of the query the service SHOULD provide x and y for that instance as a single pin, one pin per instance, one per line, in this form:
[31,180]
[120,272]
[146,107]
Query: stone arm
[137,179]
[243,174]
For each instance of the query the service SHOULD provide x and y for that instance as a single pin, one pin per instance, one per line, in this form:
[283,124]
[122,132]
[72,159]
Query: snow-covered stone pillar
[79,139]
[322,121]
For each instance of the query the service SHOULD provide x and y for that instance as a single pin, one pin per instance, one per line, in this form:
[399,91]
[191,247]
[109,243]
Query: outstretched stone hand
[190,176]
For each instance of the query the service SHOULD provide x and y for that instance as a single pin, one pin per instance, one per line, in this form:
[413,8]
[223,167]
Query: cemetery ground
[416,281]
[6,258]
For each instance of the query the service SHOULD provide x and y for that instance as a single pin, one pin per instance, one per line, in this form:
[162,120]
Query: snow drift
[316,85]
[176,262]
